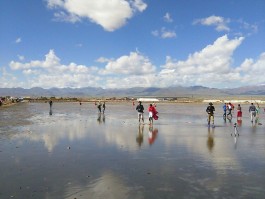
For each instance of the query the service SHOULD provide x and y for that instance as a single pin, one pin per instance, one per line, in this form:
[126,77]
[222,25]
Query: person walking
[140,109]
[99,107]
[50,103]
[151,112]
[224,108]
[210,110]
[257,113]
[252,110]
[104,107]
[230,107]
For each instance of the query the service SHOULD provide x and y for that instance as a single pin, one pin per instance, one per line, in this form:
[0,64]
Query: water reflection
[210,140]
[235,140]
[50,112]
[239,122]
[101,118]
[108,186]
[152,134]
[254,128]
[140,135]
[110,154]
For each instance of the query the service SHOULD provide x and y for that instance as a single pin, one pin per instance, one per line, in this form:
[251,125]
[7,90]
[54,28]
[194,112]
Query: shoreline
[135,102]
[178,100]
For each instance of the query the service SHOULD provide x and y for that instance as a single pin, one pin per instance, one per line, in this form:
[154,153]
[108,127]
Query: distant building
[148,99]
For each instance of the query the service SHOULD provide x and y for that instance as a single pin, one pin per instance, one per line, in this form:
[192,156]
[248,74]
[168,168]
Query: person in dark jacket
[252,110]
[140,109]
[210,110]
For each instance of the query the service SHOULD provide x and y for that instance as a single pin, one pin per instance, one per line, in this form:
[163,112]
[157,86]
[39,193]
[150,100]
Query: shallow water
[73,152]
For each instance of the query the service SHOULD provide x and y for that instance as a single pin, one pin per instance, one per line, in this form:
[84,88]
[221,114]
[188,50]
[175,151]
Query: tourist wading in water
[140,109]
[210,110]
[152,114]
[252,111]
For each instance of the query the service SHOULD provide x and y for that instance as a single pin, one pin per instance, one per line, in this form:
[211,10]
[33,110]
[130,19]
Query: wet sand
[74,152]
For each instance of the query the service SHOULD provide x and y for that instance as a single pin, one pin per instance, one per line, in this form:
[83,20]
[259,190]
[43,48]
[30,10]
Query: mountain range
[178,91]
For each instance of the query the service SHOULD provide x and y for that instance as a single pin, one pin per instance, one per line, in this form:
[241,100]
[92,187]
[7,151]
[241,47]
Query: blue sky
[131,43]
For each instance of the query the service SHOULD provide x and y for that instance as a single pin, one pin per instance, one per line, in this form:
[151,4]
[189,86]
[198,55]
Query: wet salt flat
[78,153]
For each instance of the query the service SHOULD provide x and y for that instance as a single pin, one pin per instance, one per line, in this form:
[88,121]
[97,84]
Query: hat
[210,103]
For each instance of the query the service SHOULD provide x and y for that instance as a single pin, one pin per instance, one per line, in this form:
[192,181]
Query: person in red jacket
[152,114]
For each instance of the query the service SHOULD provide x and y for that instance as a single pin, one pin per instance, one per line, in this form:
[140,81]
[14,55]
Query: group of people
[152,113]
[101,107]
[228,107]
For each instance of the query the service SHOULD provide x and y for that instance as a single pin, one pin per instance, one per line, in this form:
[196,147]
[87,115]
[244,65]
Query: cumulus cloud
[103,60]
[133,81]
[120,72]
[211,65]
[220,23]
[252,70]
[51,72]
[133,64]
[111,15]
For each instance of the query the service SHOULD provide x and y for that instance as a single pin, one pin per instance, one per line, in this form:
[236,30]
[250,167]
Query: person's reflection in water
[239,122]
[152,135]
[210,140]
[101,118]
[235,137]
[253,129]
[140,135]
[50,112]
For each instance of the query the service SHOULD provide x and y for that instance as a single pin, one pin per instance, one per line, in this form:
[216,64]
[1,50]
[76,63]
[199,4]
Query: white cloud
[133,64]
[111,15]
[103,60]
[50,72]
[62,16]
[164,33]
[168,18]
[146,80]
[251,70]
[210,66]
[18,40]
[220,23]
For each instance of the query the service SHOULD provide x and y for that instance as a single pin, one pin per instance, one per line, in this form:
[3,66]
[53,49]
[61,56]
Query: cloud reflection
[108,186]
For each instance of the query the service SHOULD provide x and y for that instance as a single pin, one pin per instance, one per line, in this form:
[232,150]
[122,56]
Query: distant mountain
[178,91]
[247,90]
